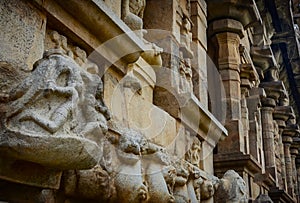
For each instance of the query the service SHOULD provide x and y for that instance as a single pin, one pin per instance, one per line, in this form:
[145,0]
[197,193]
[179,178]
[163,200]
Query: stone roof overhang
[95,27]
[286,39]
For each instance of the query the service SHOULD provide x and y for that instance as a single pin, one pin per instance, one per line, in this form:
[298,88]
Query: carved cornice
[96,25]
[279,195]
[236,161]
[248,71]
[196,117]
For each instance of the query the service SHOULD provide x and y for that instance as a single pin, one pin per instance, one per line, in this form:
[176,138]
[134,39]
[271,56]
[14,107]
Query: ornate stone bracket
[55,117]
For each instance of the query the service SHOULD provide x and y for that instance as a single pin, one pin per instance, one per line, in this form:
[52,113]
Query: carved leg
[129,183]
[158,188]
[57,119]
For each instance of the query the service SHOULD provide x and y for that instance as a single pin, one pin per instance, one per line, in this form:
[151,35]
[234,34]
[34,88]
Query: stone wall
[144,101]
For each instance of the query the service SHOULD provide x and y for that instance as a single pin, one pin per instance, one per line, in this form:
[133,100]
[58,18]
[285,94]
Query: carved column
[268,134]
[228,41]
[298,176]
[255,133]
[248,77]
[281,115]
[287,139]
[199,47]
[287,156]
[294,153]
[274,90]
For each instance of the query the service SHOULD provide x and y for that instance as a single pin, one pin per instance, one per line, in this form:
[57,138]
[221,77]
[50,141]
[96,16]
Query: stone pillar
[199,48]
[255,133]
[268,135]
[294,153]
[248,77]
[290,152]
[298,177]
[281,115]
[274,89]
[287,140]
[228,40]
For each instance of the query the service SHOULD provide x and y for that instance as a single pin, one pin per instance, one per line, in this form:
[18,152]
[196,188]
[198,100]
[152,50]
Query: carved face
[182,171]
[207,189]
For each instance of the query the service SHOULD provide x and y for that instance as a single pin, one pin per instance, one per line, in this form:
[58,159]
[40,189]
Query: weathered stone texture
[22,34]
[201,107]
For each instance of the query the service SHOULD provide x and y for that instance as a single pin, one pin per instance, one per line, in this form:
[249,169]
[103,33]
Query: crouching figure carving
[49,115]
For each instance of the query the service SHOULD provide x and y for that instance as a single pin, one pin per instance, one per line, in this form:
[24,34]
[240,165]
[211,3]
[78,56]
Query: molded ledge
[195,116]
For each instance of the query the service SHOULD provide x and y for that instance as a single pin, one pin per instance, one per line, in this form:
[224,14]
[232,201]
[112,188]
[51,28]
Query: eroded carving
[231,188]
[193,154]
[141,171]
[132,13]
[58,102]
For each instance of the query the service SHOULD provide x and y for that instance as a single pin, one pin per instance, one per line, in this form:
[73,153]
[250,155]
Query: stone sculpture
[231,189]
[263,198]
[193,155]
[132,13]
[46,109]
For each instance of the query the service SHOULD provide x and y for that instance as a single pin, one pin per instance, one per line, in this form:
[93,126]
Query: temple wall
[144,101]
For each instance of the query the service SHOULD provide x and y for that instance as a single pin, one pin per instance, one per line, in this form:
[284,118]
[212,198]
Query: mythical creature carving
[59,102]
[231,189]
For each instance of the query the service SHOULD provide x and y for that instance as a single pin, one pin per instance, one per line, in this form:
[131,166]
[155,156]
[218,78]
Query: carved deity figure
[193,155]
[186,36]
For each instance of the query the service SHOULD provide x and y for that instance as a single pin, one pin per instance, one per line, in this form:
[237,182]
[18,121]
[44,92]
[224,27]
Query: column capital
[226,25]
[287,140]
[263,57]
[248,75]
[291,130]
[283,113]
[294,151]
[268,102]
[244,10]
[274,89]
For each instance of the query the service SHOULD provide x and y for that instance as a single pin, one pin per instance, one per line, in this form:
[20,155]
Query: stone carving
[185,56]
[185,74]
[182,174]
[186,38]
[134,157]
[231,188]
[196,181]
[80,57]
[58,102]
[137,7]
[94,183]
[193,155]
[132,13]
[207,188]
[263,198]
